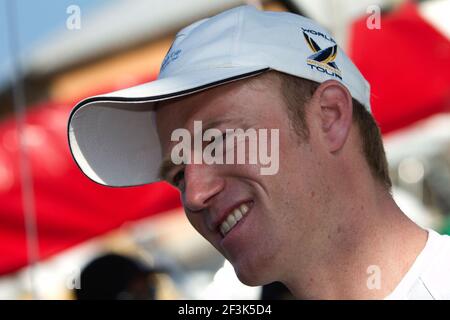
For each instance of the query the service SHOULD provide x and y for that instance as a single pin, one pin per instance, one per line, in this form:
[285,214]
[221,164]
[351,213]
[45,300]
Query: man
[323,222]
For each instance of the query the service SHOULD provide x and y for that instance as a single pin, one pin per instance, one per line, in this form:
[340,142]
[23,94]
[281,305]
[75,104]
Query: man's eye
[216,140]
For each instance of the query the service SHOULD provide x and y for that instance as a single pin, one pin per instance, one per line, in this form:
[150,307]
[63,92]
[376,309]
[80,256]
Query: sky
[37,21]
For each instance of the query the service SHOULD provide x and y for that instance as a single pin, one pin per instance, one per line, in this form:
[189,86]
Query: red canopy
[69,207]
[407,63]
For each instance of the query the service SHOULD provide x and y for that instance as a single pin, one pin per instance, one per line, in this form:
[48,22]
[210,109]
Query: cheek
[296,179]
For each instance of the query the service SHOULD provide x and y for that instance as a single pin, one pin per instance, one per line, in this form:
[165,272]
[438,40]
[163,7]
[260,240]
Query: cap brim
[113,137]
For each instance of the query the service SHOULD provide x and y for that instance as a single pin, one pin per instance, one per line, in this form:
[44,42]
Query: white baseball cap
[113,137]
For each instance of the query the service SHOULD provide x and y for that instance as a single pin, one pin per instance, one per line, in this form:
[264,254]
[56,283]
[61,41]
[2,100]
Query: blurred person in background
[325,224]
[116,277]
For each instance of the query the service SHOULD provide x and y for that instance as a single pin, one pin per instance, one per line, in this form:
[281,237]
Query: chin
[253,275]
[251,280]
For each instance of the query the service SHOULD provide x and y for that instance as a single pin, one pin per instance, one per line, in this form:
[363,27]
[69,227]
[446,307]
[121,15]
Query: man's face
[282,218]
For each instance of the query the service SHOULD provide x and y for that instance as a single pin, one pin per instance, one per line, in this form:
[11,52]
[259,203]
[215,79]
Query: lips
[232,217]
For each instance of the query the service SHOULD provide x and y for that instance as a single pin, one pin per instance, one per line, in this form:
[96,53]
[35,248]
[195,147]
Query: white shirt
[429,276]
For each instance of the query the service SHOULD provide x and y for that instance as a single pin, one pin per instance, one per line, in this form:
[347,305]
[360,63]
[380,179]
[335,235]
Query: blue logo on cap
[171,56]
[323,59]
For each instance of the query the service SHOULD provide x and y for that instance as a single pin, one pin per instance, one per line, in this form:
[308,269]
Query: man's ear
[335,113]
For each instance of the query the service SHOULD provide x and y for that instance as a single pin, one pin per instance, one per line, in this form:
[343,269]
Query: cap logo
[322,60]
[172,55]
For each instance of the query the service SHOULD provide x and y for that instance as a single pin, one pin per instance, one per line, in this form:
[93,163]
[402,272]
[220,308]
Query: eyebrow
[215,123]
[167,164]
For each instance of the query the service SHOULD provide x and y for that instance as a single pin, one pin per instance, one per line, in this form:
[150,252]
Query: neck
[363,257]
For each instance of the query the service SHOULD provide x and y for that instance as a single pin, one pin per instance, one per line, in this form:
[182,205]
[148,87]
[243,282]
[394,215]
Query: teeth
[224,227]
[233,218]
[244,208]
[237,214]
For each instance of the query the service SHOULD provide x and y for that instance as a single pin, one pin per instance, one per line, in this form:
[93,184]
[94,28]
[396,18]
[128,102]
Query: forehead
[181,112]
[236,100]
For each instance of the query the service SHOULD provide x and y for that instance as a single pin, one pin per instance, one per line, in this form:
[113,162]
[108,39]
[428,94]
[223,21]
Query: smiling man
[324,222]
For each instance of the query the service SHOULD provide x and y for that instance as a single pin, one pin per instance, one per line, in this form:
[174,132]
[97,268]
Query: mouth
[234,217]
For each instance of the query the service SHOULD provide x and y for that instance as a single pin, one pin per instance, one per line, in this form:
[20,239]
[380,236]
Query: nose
[201,185]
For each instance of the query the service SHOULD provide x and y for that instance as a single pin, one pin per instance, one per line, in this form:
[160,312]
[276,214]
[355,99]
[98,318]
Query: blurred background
[59,230]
